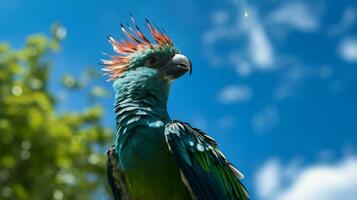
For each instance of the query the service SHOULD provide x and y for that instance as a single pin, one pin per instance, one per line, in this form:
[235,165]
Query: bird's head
[144,62]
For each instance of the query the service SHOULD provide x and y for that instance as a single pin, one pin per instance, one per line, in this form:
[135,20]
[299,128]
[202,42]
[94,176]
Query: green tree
[45,154]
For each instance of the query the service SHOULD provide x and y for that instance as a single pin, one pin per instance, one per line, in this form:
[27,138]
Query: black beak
[177,66]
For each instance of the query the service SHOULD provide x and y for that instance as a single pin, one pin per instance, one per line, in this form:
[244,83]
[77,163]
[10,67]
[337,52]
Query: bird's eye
[151,61]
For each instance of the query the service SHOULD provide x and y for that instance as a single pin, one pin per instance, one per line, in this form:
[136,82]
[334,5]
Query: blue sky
[274,82]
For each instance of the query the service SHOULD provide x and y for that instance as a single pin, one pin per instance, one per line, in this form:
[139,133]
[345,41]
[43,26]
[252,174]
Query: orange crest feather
[135,41]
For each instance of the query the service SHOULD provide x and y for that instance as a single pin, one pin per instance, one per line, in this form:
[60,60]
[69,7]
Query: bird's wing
[115,178]
[204,169]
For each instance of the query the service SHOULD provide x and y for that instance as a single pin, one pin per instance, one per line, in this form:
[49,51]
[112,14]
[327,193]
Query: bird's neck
[139,105]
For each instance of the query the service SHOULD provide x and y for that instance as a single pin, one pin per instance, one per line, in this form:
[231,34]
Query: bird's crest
[135,41]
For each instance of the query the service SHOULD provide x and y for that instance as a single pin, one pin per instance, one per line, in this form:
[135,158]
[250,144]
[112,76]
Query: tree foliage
[45,154]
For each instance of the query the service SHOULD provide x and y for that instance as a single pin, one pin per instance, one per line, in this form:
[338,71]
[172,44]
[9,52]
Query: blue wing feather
[115,179]
[111,180]
[208,173]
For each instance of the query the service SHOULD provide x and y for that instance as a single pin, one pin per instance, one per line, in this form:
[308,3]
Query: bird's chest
[149,169]
[143,148]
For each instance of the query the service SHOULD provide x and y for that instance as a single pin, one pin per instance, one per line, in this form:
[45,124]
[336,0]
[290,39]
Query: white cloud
[318,181]
[241,33]
[268,179]
[296,15]
[221,30]
[265,120]
[348,49]
[235,94]
[220,17]
[348,18]
[260,50]
[243,68]
[272,176]
[294,78]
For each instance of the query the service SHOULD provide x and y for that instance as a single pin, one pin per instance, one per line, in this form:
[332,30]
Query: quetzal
[153,156]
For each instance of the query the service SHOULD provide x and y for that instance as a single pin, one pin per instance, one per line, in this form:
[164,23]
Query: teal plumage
[154,157]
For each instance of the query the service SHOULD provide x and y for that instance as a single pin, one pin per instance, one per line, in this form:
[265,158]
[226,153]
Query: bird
[154,157]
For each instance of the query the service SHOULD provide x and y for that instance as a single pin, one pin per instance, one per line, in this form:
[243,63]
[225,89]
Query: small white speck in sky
[246,13]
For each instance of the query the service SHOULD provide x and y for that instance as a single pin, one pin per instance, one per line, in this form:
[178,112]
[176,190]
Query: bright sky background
[274,82]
